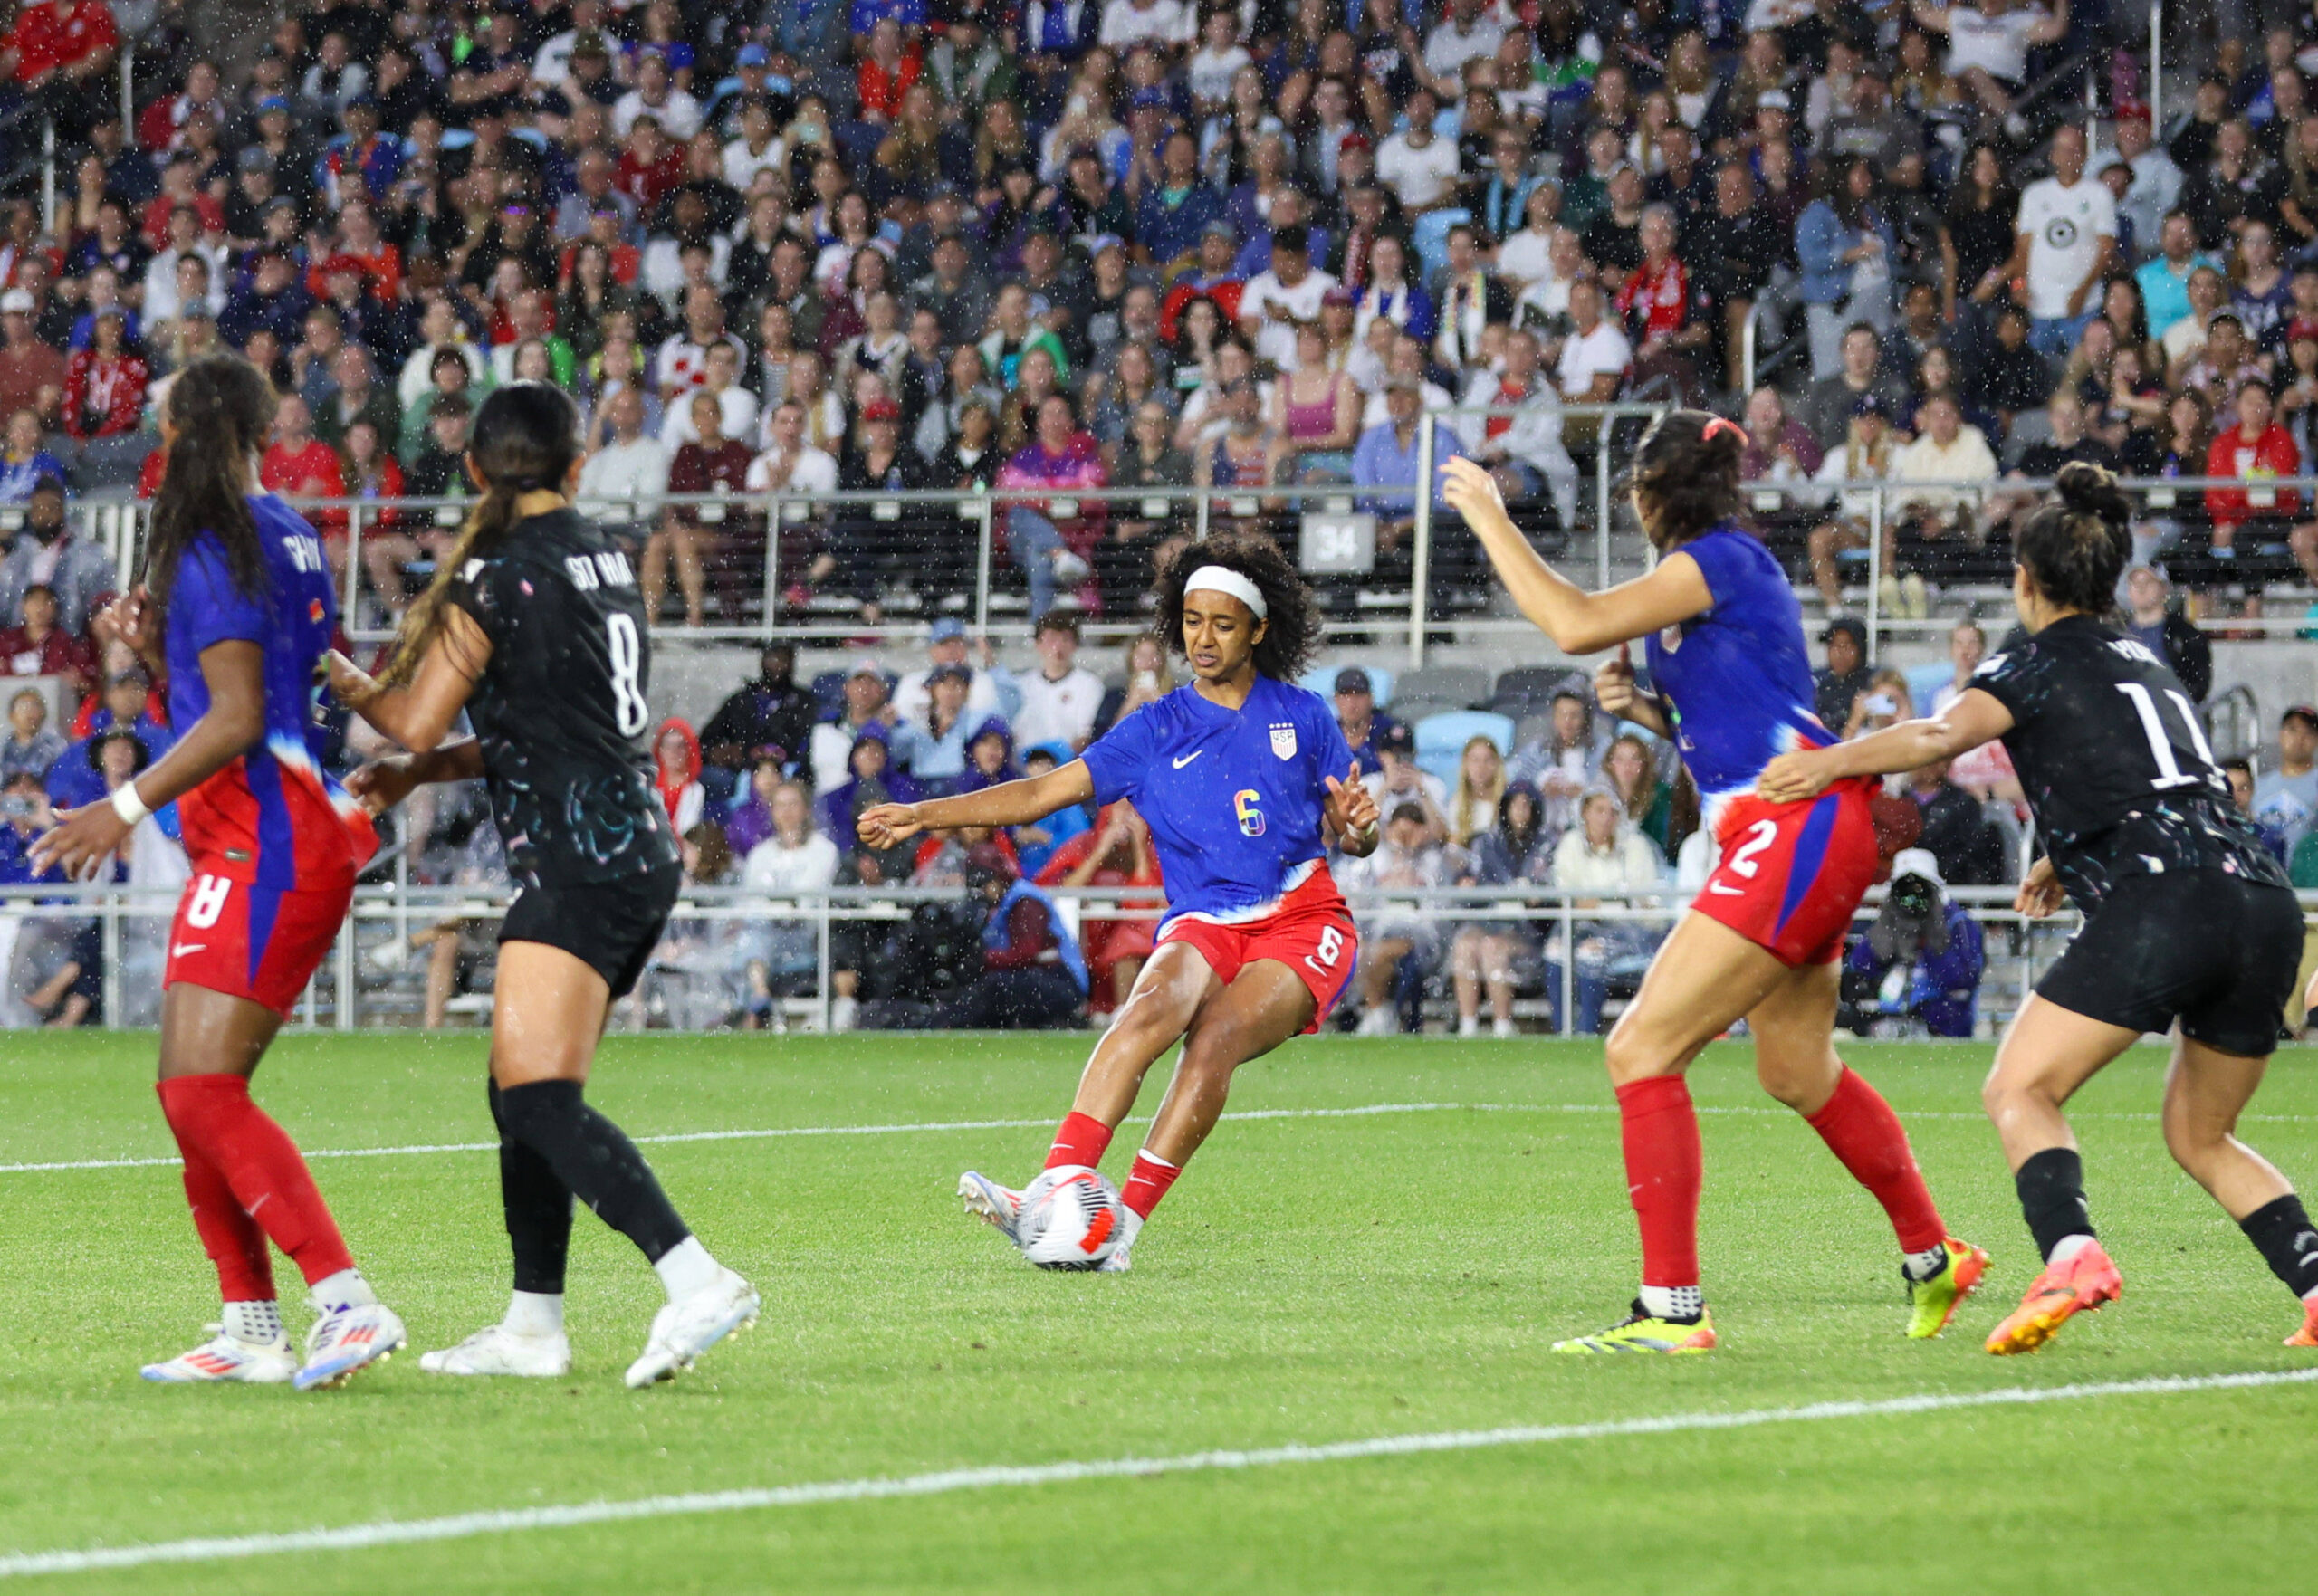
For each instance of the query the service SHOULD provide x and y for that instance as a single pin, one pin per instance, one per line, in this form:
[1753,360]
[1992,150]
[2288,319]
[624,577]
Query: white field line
[517,1520]
[1363,1111]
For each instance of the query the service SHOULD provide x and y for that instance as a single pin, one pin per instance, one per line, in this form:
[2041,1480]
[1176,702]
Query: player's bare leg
[1266,1005]
[2046,1053]
[552,1146]
[1171,987]
[2204,1092]
[1796,1062]
[248,1184]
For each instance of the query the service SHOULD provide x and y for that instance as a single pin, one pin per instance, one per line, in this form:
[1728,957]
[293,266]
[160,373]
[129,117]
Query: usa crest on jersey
[1283,739]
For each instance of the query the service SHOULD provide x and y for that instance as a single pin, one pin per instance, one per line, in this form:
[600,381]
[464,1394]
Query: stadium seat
[1440,739]
[1924,681]
[1466,686]
[1529,689]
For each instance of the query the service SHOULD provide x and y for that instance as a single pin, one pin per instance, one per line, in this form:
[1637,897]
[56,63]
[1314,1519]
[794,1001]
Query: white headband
[1217,578]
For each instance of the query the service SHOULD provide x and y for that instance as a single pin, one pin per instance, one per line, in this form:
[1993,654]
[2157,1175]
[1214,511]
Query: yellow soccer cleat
[1640,1332]
[2076,1286]
[1937,1299]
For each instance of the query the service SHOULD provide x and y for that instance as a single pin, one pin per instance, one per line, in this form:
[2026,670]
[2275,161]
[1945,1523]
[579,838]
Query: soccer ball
[1071,1219]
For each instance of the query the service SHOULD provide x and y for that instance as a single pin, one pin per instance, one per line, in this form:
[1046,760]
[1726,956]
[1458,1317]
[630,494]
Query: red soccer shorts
[1792,874]
[1311,933]
[258,943]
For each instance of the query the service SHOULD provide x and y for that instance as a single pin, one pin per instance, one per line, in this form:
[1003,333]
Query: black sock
[595,1160]
[538,1205]
[2052,1198]
[2282,1233]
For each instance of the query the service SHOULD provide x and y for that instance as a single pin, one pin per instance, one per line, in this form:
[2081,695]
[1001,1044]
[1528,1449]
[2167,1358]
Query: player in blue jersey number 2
[1238,776]
[1732,687]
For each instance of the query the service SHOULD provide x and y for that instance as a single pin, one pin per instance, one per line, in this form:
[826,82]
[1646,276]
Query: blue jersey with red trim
[1233,798]
[1734,678]
[273,816]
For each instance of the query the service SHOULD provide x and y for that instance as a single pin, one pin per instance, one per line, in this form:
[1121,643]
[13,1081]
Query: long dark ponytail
[526,436]
[219,408]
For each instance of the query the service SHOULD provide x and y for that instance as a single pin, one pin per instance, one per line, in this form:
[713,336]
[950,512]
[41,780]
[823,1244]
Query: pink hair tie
[1721,424]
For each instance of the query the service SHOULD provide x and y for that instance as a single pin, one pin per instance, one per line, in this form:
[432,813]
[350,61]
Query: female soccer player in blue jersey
[1732,687]
[238,613]
[1236,774]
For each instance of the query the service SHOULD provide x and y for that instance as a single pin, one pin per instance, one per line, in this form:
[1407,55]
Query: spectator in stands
[713,464]
[1847,249]
[1921,960]
[78,776]
[1969,850]
[1358,717]
[2164,278]
[2009,376]
[1046,537]
[2067,239]
[32,748]
[1884,701]
[1397,946]
[1386,459]
[1865,454]
[26,459]
[1560,762]
[38,646]
[80,573]
[933,749]
[676,773]
[1033,975]
[865,704]
[31,372]
[870,777]
[1480,783]
[1933,524]
[1846,673]
[1149,677]
[1487,953]
[1400,781]
[104,402]
[1832,401]
[1646,800]
[2173,638]
[1595,358]
[791,860]
[769,717]
[1601,858]
[2253,524]
[1524,451]
[1058,701]
[2240,773]
[2287,797]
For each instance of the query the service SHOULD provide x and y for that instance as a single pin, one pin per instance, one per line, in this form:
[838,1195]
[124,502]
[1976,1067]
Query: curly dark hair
[1291,630]
[1685,476]
[2074,546]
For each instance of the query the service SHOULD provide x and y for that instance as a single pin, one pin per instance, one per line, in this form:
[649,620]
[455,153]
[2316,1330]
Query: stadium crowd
[882,245]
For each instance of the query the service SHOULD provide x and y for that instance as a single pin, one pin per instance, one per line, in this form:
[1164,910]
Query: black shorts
[2219,952]
[610,926]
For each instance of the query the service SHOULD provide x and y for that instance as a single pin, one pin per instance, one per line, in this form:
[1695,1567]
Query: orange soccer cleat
[2074,1285]
[2307,1336]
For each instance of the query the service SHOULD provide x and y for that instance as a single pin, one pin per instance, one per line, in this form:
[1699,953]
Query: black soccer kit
[2186,913]
[562,717]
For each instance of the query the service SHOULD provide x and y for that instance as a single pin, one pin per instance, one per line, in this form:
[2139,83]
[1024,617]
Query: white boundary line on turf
[1363,1111]
[515,1520]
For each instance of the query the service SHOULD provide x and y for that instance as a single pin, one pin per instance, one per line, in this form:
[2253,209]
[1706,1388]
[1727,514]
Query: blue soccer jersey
[273,816]
[1734,678]
[1234,800]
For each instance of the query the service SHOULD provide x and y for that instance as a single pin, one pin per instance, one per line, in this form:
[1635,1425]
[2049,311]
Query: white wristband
[127,805]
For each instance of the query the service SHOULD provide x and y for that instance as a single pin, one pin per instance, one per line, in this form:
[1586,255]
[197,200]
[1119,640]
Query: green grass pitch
[1311,1280]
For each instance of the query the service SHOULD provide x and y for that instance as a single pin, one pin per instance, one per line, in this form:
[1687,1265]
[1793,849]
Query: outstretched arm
[419,715]
[1010,803]
[1975,718]
[382,784]
[1578,622]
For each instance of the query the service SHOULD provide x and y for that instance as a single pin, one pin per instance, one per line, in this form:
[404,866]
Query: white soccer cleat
[1118,1263]
[346,1341]
[999,1206]
[1380,1021]
[497,1350]
[682,1331]
[227,1359]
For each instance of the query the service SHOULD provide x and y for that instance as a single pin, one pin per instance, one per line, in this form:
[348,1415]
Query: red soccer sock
[213,1114]
[1659,1130]
[1147,1182]
[230,1236]
[1860,1128]
[1082,1140]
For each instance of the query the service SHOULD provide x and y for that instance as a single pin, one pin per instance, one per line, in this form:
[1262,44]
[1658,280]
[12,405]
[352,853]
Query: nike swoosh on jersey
[182,948]
[1187,758]
[1727,891]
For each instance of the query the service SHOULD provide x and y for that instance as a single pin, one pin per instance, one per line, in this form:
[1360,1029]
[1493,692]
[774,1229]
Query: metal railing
[1370,604]
[347,993]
